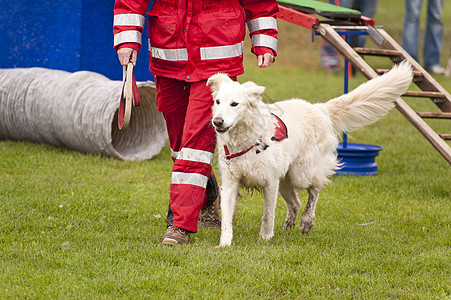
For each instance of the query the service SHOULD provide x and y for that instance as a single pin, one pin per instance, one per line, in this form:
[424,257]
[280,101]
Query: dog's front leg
[229,192]
[269,208]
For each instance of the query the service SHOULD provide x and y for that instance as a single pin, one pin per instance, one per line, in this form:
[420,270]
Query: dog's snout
[218,121]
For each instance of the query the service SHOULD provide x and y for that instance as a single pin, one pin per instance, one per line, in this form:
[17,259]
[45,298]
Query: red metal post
[297,17]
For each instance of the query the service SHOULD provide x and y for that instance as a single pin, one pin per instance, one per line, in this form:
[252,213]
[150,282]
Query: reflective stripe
[189,178]
[219,52]
[128,36]
[180,54]
[263,40]
[129,20]
[195,155]
[174,154]
[261,23]
[206,53]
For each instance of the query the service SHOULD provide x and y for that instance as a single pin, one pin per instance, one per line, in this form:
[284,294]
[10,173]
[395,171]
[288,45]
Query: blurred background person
[433,35]
[330,59]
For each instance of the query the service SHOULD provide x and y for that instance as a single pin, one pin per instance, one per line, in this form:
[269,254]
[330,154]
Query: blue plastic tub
[358,159]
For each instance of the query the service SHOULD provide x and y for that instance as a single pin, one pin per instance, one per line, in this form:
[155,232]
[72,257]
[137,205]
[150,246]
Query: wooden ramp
[308,13]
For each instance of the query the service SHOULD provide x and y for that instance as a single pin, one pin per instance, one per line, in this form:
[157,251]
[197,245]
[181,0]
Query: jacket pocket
[163,29]
[221,28]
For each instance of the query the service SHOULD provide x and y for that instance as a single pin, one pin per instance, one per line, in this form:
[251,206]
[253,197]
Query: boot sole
[169,242]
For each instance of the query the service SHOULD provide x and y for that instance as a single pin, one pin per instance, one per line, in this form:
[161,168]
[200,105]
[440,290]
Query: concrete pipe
[78,111]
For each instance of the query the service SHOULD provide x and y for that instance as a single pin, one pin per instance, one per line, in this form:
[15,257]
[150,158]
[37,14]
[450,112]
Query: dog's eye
[217,102]
[233,104]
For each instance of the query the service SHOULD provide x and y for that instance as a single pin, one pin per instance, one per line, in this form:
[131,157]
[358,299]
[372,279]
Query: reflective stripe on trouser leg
[211,194]
[212,189]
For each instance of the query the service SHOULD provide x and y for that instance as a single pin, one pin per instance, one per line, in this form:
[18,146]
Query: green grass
[75,225]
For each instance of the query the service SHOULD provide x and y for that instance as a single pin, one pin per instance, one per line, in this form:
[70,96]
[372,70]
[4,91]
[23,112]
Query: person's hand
[126,55]
[265,60]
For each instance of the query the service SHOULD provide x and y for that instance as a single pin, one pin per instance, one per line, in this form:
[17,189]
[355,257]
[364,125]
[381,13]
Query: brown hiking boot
[175,236]
[209,217]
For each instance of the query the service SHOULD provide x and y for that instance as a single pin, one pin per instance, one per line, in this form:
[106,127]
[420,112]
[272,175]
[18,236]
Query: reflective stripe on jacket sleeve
[261,23]
[262,40]
[133,26]
[127,36]
[129,20]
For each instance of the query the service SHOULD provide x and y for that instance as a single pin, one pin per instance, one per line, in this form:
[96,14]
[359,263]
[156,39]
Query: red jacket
[191,40]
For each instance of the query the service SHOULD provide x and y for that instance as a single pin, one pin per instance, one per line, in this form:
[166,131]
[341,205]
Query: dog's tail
[370,101]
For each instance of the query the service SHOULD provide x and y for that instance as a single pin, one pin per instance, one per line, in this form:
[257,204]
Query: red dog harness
[281,129]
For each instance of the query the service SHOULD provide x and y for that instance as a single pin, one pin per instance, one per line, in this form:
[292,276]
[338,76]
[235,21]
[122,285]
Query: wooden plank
[331,36]
[383,71]
[424,94]
[377,52]
[442,147]
[435,115]
[428,83]
[446,137]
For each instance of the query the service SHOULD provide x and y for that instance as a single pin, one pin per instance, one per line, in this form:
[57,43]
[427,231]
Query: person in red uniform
[189,41]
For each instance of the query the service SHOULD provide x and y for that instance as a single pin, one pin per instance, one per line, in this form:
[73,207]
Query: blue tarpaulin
[64,35]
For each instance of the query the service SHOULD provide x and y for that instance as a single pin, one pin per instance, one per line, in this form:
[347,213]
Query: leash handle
[129,96]
[131,86]
[129,83]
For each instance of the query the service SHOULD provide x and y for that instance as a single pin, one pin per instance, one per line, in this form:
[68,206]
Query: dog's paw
[288,225]
[266,237]
[225,240]
[306,225]
[289,222]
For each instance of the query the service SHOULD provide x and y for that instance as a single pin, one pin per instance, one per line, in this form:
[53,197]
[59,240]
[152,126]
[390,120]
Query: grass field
[74,225]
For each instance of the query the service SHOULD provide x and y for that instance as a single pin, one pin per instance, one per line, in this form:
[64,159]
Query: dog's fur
[305,159]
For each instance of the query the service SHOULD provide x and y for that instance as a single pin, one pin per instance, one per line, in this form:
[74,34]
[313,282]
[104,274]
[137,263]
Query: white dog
[253,154]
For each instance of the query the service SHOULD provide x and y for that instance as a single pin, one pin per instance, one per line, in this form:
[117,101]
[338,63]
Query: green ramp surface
[320,8]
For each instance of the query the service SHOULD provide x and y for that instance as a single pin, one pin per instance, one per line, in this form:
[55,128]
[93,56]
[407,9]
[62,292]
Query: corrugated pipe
[78,111]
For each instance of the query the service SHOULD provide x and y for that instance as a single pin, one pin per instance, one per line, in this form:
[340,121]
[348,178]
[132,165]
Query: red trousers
[186,107]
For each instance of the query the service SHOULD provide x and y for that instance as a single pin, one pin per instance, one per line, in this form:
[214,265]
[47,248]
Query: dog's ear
[216,80]
[255,91]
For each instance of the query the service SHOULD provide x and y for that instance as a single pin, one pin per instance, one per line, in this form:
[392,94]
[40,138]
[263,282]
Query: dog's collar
[229,156]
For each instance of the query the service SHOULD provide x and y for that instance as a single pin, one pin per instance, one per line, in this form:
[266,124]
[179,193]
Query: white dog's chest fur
[251,169]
